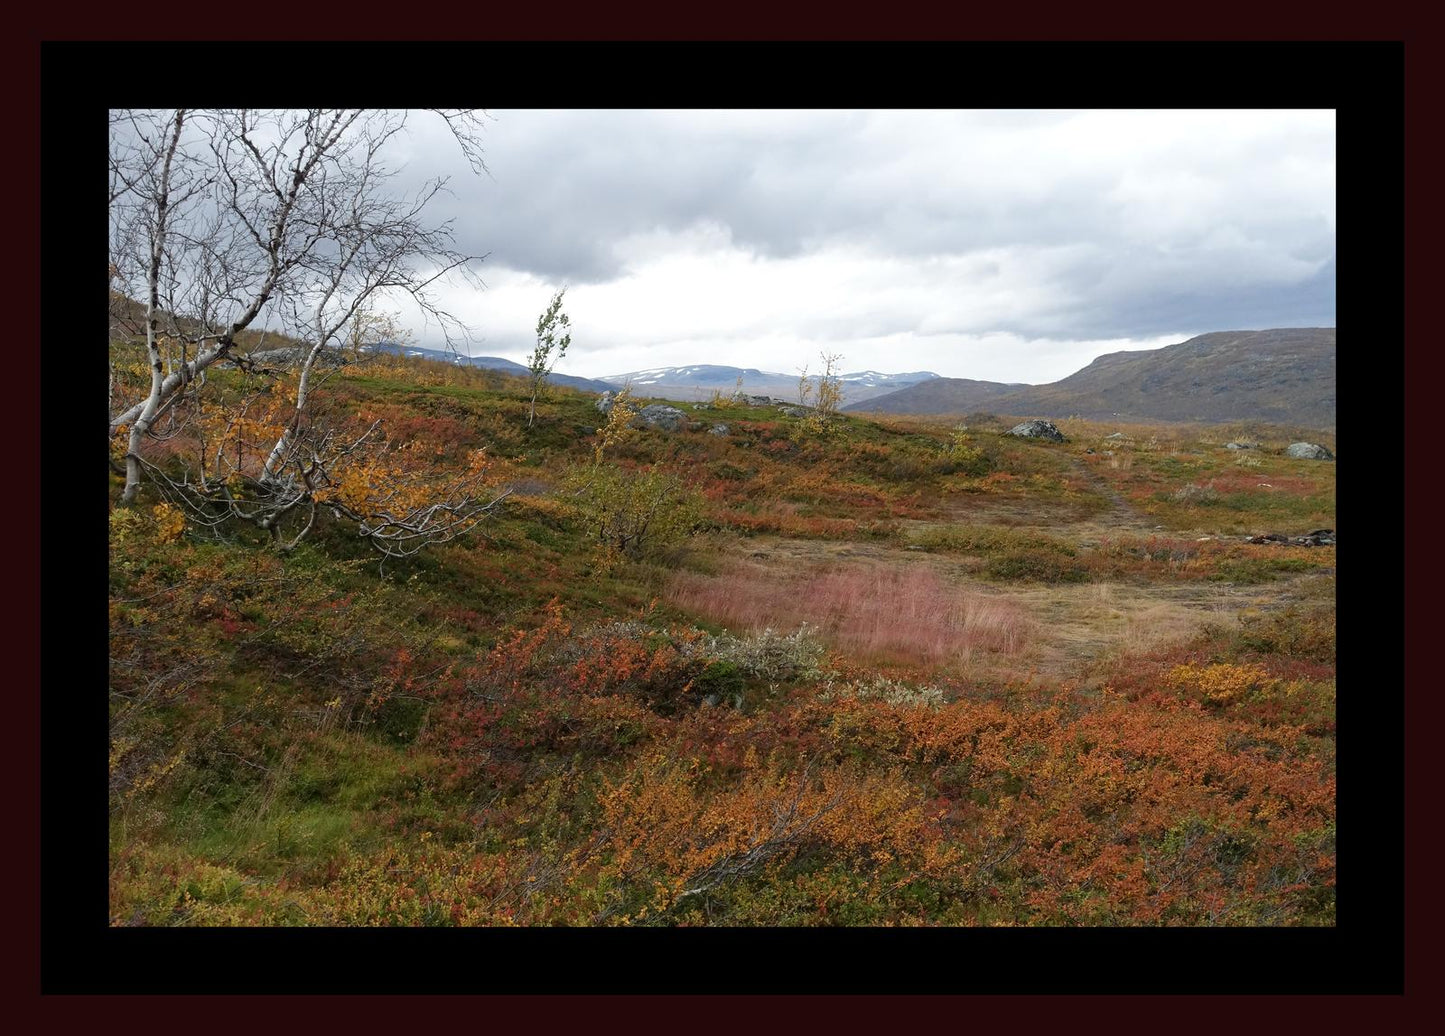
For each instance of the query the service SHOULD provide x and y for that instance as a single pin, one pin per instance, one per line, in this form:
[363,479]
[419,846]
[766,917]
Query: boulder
[1241,446]
[1037,430]
[718,429]
[1308,451]
[792,411]
[604,402]
[1116,435]
[660,415]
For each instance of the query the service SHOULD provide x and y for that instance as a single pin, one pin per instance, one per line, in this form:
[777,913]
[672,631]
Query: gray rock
[1308,451]
[1037,430]
[792,411]
[718,429]
[743,397]
[660,415]
[1116,435]
[604,402]
[1241,445]
[1317,538]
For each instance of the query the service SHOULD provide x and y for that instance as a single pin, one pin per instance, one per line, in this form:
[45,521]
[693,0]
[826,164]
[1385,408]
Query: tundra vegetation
[898,673]
[399,642]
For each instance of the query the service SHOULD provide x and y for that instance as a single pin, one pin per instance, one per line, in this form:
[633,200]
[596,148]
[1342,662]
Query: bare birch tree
[286,222]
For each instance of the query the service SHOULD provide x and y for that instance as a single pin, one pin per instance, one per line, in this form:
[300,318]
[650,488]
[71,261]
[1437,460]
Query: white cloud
[1003,245]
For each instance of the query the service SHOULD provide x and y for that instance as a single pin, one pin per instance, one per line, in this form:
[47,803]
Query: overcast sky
[1001,245]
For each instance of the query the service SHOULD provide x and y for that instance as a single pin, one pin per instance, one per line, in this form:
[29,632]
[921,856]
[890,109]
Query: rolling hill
[497,363]
[1284,375]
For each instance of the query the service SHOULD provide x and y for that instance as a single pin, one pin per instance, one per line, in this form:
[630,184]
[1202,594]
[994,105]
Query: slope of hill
[496,363]
[939,396]
[1284,375]
[702,380]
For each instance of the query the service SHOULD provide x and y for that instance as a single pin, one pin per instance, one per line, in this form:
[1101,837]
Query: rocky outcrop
[1318,538]
[660,415]
[1308,451]
[1037,430]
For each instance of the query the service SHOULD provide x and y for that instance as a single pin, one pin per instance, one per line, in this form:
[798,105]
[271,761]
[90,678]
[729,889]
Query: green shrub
[989,539]
[637,514]
[1258,570]
[1042,566]
[719,677]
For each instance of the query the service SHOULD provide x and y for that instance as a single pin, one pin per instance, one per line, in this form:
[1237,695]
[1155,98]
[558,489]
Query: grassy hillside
[891,673]
[1284,376]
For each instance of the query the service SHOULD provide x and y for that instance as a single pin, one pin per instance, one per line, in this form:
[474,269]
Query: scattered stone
[1116,435]
[1242,445]
[660,415]
[1037,430]
[1308,451]
[702,406]
[718,429]
[1317,538]
[743,397]
[793,411]
[712,699]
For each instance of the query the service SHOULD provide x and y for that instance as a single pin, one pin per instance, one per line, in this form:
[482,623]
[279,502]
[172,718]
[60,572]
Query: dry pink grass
[904,611]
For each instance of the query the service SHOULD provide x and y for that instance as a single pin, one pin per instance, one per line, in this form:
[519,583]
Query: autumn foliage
[807,696]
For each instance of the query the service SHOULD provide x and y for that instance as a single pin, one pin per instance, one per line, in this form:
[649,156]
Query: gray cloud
[1083,225]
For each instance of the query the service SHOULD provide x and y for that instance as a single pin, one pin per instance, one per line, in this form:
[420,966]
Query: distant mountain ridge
[496,363]
[700,381]
[1281,376]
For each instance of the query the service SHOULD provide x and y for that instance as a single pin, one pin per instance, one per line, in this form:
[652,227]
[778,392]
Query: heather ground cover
[887,673]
